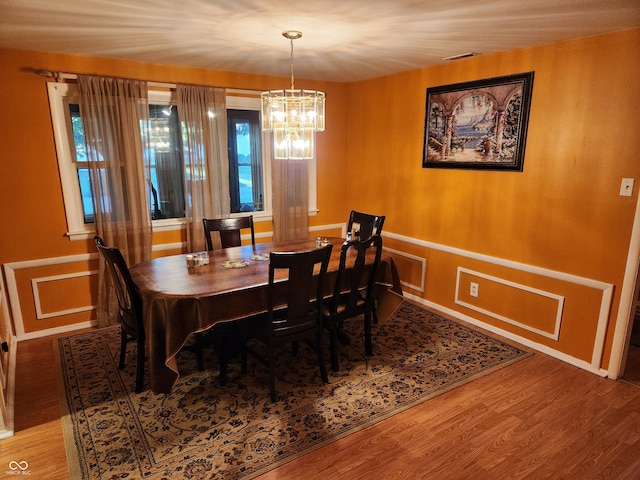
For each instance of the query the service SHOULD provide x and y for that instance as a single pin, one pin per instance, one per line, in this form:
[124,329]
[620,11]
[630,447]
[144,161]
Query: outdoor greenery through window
[245,164]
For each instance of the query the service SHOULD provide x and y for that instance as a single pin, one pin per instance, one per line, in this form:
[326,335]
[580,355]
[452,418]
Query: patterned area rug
[203,431]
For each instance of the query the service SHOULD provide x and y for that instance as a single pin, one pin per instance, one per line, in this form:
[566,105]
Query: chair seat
[343,308]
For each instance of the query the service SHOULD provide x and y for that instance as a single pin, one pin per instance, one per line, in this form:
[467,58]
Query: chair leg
[199,348]
[320,348]
[333,346]
[224,366]
[243,338]
[140,367]
[368,344]
[123,348]
[373,313]
[243,359]
[272,374]
[342,336]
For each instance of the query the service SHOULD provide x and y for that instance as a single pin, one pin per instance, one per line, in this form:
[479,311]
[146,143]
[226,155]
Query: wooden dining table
[179,301]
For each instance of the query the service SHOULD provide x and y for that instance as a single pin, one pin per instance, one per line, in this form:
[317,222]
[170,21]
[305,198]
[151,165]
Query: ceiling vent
[462,55]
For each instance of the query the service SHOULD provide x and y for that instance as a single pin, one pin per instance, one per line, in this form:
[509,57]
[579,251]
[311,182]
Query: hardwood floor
[632,369]
[538,419]
[38,439]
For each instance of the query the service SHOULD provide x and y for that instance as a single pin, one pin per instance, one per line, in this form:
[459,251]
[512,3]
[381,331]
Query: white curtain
[203,115]
[290,181]
[115,119]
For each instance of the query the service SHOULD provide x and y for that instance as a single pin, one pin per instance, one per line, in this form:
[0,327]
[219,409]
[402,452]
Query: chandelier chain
[291,57]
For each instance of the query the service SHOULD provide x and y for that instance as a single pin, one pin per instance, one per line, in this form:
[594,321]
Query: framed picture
[478,125]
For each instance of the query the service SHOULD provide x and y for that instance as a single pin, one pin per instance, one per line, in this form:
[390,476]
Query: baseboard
[9,427]
[56,331]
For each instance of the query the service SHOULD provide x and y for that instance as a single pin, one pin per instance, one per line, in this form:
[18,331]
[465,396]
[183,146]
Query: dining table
[180,299]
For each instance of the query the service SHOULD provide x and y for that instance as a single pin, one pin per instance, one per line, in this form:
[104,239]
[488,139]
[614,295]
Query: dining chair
[353,293]
[224,337]
[229,230]
[294,308]
[365,224]
[130,310]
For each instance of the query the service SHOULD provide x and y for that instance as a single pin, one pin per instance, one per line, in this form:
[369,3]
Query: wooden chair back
[228,229]
[302,291]
[129,302]
[365,224]
[354,286]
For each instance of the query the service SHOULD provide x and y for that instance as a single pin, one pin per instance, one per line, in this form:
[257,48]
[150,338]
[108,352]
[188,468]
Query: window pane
[243,150]
[166,182]
[86,195]
[80,157]
[245,161]
[246,192]
[78,133]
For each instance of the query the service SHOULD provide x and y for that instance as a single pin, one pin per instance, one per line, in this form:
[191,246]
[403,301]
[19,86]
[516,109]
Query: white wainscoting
[606,290]
[555,334]
[35,285]
[14,298]
[423,268]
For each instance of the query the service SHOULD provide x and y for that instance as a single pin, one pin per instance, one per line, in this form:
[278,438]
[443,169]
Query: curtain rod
[59,76]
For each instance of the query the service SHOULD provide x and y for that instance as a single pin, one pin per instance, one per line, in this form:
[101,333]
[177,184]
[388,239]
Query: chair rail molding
[605,288]
[14,296]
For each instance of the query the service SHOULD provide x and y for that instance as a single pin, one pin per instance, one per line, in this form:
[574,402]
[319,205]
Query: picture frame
[480,125]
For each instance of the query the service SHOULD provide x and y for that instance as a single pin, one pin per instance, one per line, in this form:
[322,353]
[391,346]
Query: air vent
[462,55]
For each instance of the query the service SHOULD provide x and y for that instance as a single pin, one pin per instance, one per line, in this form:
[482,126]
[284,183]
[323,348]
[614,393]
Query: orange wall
[563,212]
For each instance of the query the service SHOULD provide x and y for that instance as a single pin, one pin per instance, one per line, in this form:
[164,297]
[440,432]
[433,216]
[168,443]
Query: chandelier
[294,116]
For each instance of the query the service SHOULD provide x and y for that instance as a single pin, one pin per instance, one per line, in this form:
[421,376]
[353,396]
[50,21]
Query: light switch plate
[626,187]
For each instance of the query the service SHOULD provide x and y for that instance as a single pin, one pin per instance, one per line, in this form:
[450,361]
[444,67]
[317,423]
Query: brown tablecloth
[180,301]
[388,291]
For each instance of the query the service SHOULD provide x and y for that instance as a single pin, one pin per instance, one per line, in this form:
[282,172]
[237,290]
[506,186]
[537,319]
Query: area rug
[203,431]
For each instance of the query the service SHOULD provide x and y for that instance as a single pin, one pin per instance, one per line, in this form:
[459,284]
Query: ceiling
[343,40]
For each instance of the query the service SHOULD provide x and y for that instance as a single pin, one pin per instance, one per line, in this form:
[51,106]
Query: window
[249,160]
[164,163]
[245,161]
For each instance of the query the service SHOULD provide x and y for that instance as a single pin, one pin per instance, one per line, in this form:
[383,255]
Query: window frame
[239,102]
[63,93]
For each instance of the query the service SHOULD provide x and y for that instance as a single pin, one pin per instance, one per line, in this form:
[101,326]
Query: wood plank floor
[538,419]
